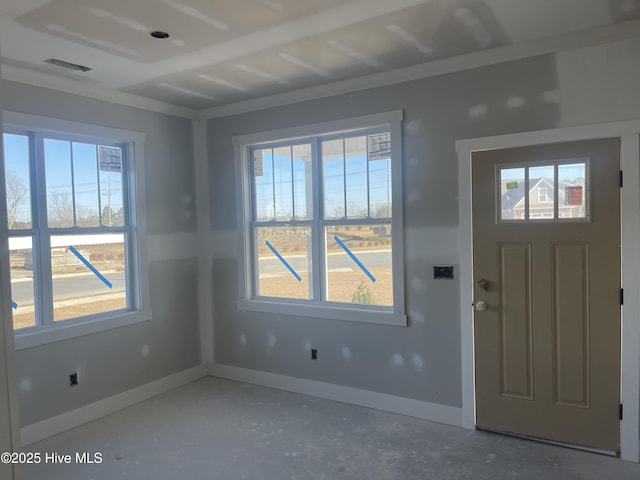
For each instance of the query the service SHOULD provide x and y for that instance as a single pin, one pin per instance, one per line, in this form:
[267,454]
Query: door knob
[481,306]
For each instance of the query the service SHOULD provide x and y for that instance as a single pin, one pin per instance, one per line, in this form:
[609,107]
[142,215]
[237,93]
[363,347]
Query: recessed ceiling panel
[123,27]
[527,20]
[406,37]
[622,10]
[418,34]
[226,51]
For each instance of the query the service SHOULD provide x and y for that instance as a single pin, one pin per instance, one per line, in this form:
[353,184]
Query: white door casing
[629,133]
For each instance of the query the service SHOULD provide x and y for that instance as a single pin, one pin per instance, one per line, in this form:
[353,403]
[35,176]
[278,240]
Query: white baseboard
[379,401]
[364,398]
[66,421]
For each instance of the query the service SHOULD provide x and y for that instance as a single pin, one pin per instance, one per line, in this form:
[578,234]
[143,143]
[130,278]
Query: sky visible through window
[569,171]
[16,158]
[283,183]
[93,186]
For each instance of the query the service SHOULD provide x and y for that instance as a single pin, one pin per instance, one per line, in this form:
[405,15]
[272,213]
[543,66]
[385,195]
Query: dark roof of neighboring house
[511,197]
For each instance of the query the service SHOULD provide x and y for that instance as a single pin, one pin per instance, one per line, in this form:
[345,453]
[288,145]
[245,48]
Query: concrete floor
[217,429]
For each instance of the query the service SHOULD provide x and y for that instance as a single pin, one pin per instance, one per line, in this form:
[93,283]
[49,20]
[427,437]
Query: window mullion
[126,185]
[33,182]
[273,182]
[255,267]
[73,185]
[253,284]
[526,194]
[317,243]
[344,176]
[42,243]
[293,185]
[368,181]
[556,192]
[100,222]
[132,263]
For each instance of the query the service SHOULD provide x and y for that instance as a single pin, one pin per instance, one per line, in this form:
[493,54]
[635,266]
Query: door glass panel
[512,194]
[572,194]
[541,192]
[547,200]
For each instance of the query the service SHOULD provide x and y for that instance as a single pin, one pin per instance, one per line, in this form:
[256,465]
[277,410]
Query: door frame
[629,134]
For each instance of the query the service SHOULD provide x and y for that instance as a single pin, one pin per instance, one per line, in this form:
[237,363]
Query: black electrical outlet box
[73,379]
[314,354]
[443,272]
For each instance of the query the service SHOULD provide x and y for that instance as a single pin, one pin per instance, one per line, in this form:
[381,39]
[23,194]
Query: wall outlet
[314,354]
[73,379]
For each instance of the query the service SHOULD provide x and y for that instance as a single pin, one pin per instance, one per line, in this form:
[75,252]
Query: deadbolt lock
[483,285]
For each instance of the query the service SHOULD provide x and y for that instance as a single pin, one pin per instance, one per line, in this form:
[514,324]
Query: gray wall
[120,359]
[589,85]
[574,87]
[437,112]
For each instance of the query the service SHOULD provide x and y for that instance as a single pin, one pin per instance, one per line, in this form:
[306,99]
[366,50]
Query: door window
[555,191]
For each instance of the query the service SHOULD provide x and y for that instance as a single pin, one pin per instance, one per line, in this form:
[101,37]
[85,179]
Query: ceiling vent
[70,66]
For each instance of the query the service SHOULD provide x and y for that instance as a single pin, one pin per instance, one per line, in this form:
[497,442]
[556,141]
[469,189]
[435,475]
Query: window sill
[65,330]
[383,316]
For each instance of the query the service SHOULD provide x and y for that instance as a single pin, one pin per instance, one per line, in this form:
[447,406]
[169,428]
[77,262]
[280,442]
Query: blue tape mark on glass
[91,267]
[355,259]
[284,262]
[14,305]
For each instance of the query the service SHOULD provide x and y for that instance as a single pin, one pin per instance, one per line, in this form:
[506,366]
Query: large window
[322,213]
[72,225]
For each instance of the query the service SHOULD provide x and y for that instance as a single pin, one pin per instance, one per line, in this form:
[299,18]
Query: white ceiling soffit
[224,57]
[54,82]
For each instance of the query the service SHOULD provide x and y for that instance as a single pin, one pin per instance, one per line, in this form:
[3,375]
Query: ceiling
[222,52]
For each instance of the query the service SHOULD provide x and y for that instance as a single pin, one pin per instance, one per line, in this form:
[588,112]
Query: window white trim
[331,311]
[319,129]
[68,329]
[141,310]
[384,315]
